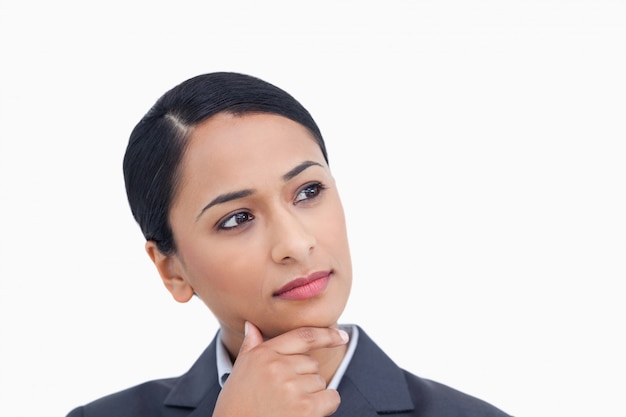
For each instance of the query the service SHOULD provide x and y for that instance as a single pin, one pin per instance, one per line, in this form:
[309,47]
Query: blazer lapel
[197,390]
[372,384]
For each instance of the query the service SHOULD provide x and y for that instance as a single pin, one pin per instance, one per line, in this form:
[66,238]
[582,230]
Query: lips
[304,288]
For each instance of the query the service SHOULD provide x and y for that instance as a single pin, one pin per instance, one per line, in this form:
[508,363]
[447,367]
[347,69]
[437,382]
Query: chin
[322,312]
[272,330]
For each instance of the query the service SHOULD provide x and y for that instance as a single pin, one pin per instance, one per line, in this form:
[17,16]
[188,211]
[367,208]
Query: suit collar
[198,383]
[373,383]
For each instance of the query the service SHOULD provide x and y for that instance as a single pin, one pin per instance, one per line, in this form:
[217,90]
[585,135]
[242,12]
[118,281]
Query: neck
[329,360]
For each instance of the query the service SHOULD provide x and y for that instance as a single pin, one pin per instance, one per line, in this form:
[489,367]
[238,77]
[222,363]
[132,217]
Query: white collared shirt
[225,365]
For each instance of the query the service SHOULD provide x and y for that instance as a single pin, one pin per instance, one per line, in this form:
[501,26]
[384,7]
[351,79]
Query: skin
[236,254]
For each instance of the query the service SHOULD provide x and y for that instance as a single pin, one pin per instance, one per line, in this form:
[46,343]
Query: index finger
[306,339]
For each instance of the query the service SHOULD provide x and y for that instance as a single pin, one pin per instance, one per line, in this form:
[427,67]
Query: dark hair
[158,141]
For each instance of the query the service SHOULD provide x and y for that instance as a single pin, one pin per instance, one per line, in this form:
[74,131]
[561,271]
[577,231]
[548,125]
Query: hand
[278,377]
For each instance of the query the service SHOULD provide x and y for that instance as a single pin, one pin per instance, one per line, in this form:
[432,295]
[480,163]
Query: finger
[306,339]
[310,383]
[300,364]
[325,402]
[252,338]
[304,364]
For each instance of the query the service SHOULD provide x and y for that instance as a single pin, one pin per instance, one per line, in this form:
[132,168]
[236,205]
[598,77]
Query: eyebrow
[224,198]
[301,167]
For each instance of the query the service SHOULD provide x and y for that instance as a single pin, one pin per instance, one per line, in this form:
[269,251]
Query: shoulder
[152,398]
[141,400]
[433,398]
[388,388]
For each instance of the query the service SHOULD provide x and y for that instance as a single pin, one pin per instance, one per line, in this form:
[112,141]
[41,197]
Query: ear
[170,269]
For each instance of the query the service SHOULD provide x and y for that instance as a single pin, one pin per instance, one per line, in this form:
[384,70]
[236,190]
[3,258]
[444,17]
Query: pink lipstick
[304,288]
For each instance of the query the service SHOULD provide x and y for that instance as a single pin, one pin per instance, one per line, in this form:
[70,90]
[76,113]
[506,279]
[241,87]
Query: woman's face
[259,227]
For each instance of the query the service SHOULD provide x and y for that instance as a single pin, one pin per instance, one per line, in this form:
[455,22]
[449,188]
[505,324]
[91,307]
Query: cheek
[331,233]
[334,223]
[220,272]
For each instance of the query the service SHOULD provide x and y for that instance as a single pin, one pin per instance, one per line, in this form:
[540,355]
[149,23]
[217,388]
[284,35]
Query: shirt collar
[225,365]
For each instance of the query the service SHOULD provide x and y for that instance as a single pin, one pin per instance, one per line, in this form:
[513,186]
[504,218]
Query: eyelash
[246,217]
[319,188]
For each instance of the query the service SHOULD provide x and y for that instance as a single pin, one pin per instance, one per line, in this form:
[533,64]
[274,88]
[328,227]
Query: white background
[479,146]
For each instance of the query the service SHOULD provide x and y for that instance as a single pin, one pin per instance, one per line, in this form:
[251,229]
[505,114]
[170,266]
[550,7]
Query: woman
[228,178]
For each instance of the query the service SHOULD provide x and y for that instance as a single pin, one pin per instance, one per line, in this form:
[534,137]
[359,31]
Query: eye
[308,192]
[235,220]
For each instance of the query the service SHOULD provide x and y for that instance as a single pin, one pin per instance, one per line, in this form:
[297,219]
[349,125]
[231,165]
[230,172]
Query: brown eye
[309,191]
[236,220]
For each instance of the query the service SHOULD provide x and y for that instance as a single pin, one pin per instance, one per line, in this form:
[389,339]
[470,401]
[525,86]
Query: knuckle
[321,382]
[333,399]
[291,388]
[274,369]
[307,406]
[314,364]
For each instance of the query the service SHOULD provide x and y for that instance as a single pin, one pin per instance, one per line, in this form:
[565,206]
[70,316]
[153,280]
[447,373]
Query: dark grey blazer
[372,385]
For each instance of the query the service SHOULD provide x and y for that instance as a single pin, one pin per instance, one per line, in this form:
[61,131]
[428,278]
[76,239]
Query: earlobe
[171,273]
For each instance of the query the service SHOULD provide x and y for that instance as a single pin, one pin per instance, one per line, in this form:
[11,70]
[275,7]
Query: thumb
[252,338]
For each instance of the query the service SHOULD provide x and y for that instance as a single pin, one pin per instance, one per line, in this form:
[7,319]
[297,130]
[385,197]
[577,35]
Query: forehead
[234,148]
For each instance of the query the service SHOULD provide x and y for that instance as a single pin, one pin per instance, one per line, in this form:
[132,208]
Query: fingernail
[245,328]
[344,335]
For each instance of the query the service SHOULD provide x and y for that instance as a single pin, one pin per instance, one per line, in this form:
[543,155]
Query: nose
[292,242]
